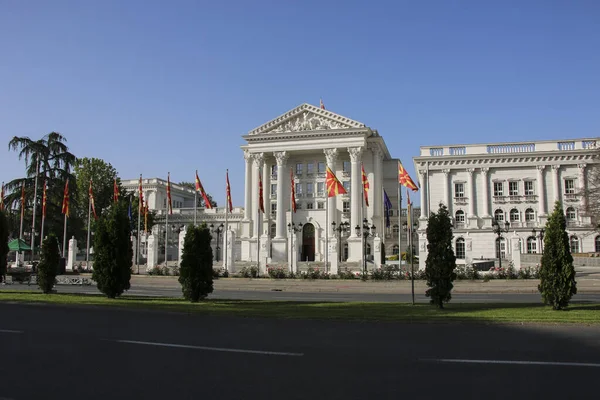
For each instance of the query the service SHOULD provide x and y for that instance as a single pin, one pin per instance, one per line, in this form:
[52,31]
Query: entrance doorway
[308,242]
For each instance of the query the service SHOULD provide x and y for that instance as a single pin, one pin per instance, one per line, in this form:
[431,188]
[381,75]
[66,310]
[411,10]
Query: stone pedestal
[422,250]
[468,249]
[486,222]
[377,251]
[152,252]
[181,241]
[228,255]
[72,254]
[333,256]
[293,252]
[516,251]
[263,255]
[473,222]
[279,246]
[354,249]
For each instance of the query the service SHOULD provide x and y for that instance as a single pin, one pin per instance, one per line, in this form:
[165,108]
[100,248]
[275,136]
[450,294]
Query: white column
[258,160]
[582,187]
[556,183]
[355,185]
[376,187]
[447,190]
[267,196]
[281,158]
[331,157]
[248,186]
[423,176]
[486,192]
[471,192]
[541,190]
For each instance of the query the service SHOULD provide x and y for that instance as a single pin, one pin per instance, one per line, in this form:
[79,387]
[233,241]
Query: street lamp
[367,231]
[343,228]
[218,230]
[293,229]
[540,236]
[499,230]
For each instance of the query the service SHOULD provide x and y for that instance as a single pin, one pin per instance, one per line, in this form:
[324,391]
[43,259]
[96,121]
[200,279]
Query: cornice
[307,135]
[506,160]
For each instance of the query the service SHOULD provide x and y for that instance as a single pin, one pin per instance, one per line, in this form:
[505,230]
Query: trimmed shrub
[196,272]
[48,266]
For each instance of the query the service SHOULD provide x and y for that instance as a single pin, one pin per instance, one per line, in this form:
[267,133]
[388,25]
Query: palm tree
[47,158]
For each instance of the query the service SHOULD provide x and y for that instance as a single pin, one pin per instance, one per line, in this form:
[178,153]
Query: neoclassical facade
[517,183]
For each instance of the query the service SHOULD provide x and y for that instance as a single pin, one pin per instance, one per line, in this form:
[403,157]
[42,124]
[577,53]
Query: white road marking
[516,362]
[9,331]
[223,349]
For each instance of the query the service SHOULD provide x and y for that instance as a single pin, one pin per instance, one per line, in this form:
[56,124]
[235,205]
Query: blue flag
[388,206]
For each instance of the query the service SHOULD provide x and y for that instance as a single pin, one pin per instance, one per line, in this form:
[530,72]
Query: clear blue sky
[157,86]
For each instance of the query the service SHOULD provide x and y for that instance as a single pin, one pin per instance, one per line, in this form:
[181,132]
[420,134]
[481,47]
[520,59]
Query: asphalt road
[57,352]
[153,291]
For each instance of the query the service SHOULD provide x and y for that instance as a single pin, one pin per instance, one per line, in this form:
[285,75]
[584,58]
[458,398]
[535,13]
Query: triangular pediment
[306,117]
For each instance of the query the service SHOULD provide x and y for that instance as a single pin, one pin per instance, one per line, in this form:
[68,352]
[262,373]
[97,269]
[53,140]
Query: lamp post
[367,231]
[293,229]
[540,236]
[499,230]
[343,228]
[218,230]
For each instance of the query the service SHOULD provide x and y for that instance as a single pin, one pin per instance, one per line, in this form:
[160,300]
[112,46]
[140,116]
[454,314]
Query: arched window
[460,217]
[514,215]
[395,230]
[529,215]
[395,250]
[499,215]
[273,230]
[531,245]
[570,214]
[574,242]
[597,244]
[460,248]
[500,248]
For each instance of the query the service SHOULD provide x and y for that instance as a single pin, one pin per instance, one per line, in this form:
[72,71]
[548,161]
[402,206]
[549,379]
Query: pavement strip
[513,362]
[222,349]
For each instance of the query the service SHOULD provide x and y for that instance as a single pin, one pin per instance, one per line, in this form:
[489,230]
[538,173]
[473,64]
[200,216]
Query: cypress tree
[441,261]
[48,267]
[113,252]
[196,272]
[557,273]
[3,245]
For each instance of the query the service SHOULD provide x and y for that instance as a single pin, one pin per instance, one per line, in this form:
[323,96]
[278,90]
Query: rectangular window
[309,188]
[459,190]
[274,171]
[346,186]
[299,169]
[528,188]
[320,189]
[310,168]
[346,206]
[569,186]
[298,189]
[346,166]
[321,205]
[498,189]
[273,208]
[310,206]
[404,212]
[321,167]
[513,188]
[298,206]
[274,189]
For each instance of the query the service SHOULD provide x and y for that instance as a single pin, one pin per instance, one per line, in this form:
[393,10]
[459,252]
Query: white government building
[514,182]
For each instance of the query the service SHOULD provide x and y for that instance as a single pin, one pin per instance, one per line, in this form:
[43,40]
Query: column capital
[281,157]
[259,158]
[247,155]
[555,168]
[470,171]
[331,155]
[355,153]
[582,166]
[423,172]
[446,171]
[485,170]
[540,167]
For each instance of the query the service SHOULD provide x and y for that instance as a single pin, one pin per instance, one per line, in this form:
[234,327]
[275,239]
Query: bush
[314,273]
[3,245]
[48,266]
[466,271]
[113,251]
[385,273]
[196,272]
[277,273]
[166,271]
[156,270]
[345,274]
[246,272]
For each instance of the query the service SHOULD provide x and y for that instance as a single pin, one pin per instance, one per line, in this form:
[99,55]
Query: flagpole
[326,234]
[87,248]
[399,226]
[21,230]
[291,230]
[43,216]
[409,211]
[137,239]
[226,225]
[167,223]
[196,205]
[258,220]
[64,249]
[37,172]
[364,239]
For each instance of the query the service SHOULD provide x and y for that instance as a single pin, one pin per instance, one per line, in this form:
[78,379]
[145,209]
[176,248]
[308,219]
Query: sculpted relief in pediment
[308,122]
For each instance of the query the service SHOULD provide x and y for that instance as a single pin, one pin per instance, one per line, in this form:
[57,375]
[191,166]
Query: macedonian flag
[65,203]
[404,179]
[200,188]
[365,182]
[44,200]
[334,186]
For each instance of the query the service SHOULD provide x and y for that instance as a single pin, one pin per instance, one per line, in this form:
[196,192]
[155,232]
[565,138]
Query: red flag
[408,210]
[293,190]
[141,194]
[200,189]
[146,218]
[334,186]
[322,105]
[365,182]
[261,201]
[44,199]
[169,202]
[115,191]
[65,203]
[91,195]
[229,193]
[2,198]
[404,179]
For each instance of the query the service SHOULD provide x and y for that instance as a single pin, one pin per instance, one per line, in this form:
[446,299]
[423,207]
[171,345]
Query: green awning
[18,245]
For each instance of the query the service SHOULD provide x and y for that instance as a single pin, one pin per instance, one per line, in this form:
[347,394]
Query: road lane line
[9,331]
[222,349]
[515,362]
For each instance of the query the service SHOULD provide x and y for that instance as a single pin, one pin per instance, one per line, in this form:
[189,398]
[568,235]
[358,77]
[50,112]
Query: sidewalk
[357,286]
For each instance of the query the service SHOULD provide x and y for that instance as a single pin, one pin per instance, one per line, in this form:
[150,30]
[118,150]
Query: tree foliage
[3,244]
[200,200]
[557,273]
[103,175]
[441,261]
[48,266]
[113,251]
[196,273]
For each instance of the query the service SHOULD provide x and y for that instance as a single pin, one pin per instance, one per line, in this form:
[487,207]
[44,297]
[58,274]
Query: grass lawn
[499,313]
